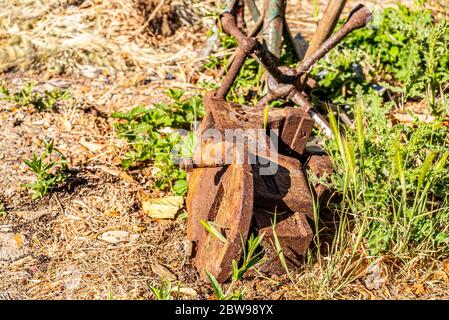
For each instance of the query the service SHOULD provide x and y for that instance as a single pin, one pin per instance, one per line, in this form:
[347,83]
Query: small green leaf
[210,227]
[216,286]
[180,187]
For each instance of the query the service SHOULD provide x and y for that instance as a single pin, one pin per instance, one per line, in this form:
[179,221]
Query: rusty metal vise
[228,183]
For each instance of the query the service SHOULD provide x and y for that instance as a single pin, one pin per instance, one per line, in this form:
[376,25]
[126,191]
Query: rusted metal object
[320,165]
[294,125]
[198,202]
[231,212]
[227,184]
[326,25]
[285,190]
[358,18]
[294,234]
[274,25]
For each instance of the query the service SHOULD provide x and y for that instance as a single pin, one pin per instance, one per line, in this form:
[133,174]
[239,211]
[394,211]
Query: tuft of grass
[251,257]
[393,188]
[28,97]
[389,187]
[50,168]
[390,182]
[164,291]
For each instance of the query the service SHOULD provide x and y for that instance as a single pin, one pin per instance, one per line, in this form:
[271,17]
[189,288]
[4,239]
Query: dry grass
[93,38]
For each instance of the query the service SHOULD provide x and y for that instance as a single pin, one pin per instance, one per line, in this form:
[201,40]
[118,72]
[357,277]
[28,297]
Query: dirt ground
[53,248]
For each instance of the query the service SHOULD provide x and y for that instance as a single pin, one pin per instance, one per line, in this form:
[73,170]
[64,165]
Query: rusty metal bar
[285,87]
[268,60]
[279,92]
[253,32]
[326,25]
[245,47]
[230,26]
[297,98]
[358,19]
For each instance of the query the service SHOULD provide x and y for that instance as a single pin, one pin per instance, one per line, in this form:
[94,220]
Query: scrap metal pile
[236,184]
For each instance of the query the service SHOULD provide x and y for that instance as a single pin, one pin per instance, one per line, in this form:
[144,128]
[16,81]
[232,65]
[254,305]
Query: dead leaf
[163,271]
[440,276]
[6,228]
[186,291]
[34,215]
[67,125]
[91,146]
[117,236]
[19,240]
[188,246]
[113,214]
[117,173]
[116,161]
[163,208]
[419,288]
[374,279]
[411,119]
[12,246]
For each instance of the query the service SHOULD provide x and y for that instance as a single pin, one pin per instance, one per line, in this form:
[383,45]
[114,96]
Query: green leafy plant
[251,257]
[404,50]
[27,96]
[152,137]
[164,291]
[50,168]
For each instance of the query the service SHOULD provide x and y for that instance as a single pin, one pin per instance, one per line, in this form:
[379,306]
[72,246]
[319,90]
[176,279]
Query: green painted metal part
[253,10]
[273,25]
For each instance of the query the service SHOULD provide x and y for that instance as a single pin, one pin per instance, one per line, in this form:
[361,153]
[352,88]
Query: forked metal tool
[228,187]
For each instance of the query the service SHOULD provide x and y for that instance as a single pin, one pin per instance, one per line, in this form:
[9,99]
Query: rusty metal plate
[294,125]
[294,234]
[320,165]
[287,189]
[228,115]
[203,188]
[296,129]
[232,211]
